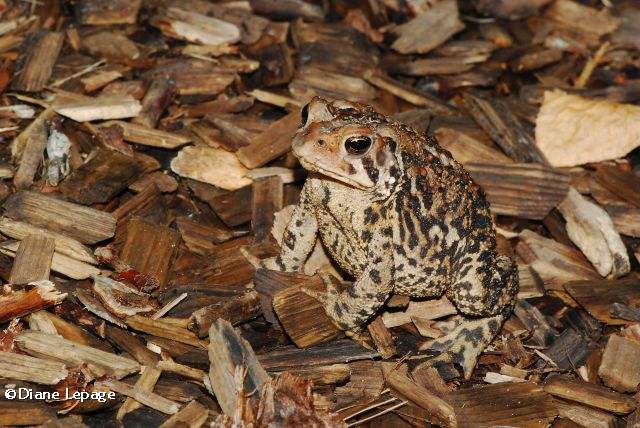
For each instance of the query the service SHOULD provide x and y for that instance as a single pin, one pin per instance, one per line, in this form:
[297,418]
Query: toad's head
[349,142]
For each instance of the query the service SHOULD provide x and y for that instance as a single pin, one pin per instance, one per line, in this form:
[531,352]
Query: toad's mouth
[316,167]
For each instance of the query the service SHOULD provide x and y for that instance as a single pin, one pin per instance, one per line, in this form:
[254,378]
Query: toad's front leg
[352,308]
[298,240]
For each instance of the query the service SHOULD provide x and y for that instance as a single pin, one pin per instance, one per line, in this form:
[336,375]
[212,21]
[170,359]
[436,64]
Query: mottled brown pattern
[399,215]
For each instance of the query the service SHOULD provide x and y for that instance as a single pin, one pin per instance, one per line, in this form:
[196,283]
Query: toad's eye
[357,145]
[304,115]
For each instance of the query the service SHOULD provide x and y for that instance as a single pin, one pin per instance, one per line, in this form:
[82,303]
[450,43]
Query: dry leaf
[573,130]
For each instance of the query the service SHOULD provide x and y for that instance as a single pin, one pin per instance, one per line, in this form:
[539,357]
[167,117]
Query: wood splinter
[38,295]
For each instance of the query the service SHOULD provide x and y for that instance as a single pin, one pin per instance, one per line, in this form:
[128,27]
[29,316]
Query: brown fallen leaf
[573,130]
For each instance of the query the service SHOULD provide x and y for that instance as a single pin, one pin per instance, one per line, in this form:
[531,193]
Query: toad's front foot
[331,304]
[331,301]
[464,344]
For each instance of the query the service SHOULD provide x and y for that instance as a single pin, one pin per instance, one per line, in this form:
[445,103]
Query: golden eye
[357,145]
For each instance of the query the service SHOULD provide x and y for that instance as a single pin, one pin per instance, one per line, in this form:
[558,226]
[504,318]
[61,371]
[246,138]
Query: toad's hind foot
[464,344]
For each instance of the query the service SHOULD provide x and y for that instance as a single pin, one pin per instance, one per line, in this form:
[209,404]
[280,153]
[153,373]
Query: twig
[384,391]
[30,100]
[591,64]
[10,128]
[385,411]
[407,415]
[402,360]
[85,70]
[373,406]
[203,57]
[477,19]
[273,98]
[545,357]
[166,308]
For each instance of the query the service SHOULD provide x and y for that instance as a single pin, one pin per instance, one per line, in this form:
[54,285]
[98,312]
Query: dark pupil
[357,145]
[304,115]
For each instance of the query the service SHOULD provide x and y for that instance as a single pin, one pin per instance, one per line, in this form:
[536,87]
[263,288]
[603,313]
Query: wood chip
[597,296]
[195,27]
[114,45]
[583,19]
[213,166]
[620,183]
[87,225]
[104,175]
[99,362]
[99,79]
[145,136]
[33,260]
[302,317]
[619,368]
[511,404]
[39,55]
[428,309]
[382,337]
[25,413]
[193,415]
[592,230]
[338,351]
[20,302]
[521,190]
[590,394]
[108,12]
[120,299]
[429,29]
[155,101]
[504,127]
[585,416]
[439,410]
[415,97]
[163,328]
[103,108]
[227,350]
[30,369]
[32,148]
[150,399]
[266,201]
[234,310]
[555,263]
[273,142]
[146,382]
[150,249]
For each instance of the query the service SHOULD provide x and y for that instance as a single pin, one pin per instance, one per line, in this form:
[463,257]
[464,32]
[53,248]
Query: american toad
[400,215]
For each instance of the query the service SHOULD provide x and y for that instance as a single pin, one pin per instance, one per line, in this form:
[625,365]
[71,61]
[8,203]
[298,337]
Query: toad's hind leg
[487,297]
[464,344]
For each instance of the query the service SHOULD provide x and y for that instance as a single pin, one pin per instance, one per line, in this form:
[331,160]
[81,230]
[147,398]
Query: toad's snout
[295,146]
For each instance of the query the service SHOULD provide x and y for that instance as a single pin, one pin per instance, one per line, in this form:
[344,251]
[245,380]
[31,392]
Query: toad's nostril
[321,142]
